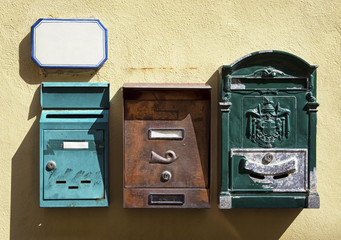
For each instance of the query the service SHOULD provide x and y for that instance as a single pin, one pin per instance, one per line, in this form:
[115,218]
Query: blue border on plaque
[33,47]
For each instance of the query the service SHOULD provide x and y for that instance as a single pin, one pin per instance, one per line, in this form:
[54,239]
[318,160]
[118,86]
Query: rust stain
[161,68]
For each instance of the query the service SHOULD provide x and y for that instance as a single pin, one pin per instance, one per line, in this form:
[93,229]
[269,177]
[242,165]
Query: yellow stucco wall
[178,42]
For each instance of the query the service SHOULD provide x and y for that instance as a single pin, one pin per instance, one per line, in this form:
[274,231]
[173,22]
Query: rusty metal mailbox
[166,146]
[268,132]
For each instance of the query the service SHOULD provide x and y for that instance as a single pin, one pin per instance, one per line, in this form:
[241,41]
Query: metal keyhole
[166,176]
[268,158]
[50,165]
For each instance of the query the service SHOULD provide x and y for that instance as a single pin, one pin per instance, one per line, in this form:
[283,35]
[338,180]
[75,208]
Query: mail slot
[268,132]
[74,145]
[166,146]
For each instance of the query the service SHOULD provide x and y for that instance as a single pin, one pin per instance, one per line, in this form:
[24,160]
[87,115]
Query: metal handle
[170,157]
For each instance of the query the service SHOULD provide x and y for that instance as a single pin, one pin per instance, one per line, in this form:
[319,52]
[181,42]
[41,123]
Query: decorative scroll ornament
[268,123]
[268,72]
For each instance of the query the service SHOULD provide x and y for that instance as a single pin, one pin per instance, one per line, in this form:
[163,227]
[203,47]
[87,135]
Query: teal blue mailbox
[268,132]
[74,145]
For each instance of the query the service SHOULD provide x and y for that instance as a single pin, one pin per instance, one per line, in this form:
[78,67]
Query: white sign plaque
[69,43]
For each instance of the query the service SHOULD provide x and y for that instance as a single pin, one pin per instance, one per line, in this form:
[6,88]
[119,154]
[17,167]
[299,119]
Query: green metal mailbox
[74,145]
[268,132]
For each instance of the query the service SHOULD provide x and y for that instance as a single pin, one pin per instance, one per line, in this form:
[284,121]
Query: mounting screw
[50,165]
[268,158]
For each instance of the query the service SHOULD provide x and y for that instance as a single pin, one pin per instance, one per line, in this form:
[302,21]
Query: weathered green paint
[272,105]
[273,200]
[80,176]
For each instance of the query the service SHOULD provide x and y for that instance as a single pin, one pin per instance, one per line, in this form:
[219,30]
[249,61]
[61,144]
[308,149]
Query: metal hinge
[225,106]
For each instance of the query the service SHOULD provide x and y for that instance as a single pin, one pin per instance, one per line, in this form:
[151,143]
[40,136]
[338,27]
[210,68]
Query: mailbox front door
[74,164]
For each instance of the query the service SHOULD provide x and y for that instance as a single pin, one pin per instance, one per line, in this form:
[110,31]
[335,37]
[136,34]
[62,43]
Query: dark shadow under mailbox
[268,132]
[166,146]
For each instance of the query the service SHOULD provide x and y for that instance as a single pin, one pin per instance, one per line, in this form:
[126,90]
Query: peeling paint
[312,179]
[313,200]
[283,167]
[237,84]
[225,202]
[285,173]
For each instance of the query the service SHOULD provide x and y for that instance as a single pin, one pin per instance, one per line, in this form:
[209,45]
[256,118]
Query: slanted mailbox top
[74,95]
[69,43]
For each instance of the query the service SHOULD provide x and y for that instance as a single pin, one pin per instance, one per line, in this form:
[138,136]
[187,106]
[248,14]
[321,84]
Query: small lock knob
[166,176]
[50,165]
[268,158]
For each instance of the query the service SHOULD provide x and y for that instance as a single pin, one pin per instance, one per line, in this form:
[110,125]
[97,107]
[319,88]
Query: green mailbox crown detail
[268,72]
[268,123]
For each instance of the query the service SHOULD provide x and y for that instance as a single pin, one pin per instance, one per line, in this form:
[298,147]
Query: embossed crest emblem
[268,123]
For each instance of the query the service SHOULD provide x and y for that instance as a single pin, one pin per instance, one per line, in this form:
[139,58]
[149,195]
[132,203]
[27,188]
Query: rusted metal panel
[177,155]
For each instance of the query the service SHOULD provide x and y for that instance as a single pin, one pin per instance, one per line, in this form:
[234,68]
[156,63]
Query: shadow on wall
[243,223]
[28,221]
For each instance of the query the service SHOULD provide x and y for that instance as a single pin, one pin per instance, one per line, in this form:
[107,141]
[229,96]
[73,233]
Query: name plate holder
[69,43]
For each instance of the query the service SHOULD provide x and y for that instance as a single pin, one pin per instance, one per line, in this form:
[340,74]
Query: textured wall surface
[176,42]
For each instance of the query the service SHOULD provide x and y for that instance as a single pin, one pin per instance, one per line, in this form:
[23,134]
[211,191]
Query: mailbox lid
[74,95]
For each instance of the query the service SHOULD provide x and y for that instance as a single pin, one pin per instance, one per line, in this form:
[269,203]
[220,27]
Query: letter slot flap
[282,168]
[285,172]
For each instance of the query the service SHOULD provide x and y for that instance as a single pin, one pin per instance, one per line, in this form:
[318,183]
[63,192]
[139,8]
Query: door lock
[166,176]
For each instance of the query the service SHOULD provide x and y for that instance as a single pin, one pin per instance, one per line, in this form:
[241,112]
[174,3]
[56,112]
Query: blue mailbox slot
[74,145]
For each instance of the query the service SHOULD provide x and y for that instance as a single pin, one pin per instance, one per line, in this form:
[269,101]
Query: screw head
[50,165]
[268,158]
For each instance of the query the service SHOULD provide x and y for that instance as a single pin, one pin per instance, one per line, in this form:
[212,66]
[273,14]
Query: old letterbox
[166,146]
[268,132]
[74,145]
